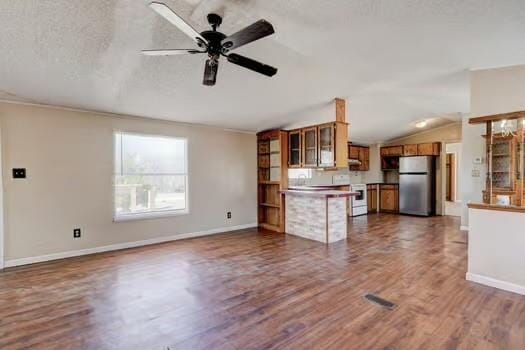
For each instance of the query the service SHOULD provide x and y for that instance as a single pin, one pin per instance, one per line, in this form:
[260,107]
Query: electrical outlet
[19,173]
[229,215]
[76,233]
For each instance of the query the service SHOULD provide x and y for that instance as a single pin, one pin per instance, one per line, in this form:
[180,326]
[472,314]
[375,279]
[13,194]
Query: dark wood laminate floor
[256,290]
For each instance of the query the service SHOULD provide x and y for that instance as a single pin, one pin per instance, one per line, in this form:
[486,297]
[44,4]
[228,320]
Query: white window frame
[151,214]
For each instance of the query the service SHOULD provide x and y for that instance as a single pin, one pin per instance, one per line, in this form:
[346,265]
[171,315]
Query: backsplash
[309,177]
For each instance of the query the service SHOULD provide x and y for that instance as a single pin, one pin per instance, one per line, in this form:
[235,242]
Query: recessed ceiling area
[397,62]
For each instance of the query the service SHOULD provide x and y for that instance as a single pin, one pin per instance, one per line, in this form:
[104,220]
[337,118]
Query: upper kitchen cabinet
[319,146]
[422,149]
[326,137]
[429,149]
[295,149]
[322,145]
[392,151]
[359,157]
[409,150]
[310,159]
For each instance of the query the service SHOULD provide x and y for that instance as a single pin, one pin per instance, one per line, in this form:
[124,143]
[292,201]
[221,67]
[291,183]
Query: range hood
[354,162]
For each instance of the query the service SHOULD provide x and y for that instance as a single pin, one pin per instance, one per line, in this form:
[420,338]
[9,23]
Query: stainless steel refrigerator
[417,185]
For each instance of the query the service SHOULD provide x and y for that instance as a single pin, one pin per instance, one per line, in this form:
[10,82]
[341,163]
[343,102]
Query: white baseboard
[492,282]
[107,248]
[463,228]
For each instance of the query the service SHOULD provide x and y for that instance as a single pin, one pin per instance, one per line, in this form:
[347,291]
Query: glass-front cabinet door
[294,157]
[310,147]
[501,161]
[326,145]
[505,162]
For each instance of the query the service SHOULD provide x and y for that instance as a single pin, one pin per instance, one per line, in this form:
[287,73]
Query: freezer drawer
[415,194]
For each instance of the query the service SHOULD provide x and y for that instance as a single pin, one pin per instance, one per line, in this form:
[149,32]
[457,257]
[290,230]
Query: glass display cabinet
[505,154]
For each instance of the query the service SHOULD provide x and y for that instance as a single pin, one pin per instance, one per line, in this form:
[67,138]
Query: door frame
[457,157]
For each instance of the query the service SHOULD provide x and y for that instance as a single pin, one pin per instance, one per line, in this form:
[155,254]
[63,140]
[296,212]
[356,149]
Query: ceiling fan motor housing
[214,39]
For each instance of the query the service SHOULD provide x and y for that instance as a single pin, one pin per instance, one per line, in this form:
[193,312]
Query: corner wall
[492,91]
[69,160]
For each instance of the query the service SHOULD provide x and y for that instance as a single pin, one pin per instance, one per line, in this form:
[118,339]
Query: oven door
[360,199]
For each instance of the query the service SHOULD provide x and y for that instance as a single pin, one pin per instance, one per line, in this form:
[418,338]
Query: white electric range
[358,205]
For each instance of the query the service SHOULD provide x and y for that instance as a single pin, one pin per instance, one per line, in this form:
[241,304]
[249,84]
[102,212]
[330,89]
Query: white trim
[125,116]
[153,214]
[463,228]
[149,215]
[492,282]
[118,246]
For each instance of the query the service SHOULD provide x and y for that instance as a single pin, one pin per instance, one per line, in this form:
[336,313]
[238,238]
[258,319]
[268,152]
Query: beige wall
[69,161]
[492,91]
[446,134]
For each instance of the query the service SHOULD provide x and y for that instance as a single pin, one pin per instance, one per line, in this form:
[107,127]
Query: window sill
[149,216]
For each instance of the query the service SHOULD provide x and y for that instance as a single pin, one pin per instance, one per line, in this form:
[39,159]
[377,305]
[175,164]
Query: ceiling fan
[215,43]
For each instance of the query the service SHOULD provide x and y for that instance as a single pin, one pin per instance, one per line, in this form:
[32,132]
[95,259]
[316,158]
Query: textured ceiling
[396,62]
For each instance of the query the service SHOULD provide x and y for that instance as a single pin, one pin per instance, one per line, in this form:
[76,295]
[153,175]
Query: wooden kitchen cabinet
[409,150]
[326,139]
[428,149]
[364,157]
[294,149]
[319,146]
[421,149]
[310,147]
[372,198]
[392,151]
[389,198]
[353,152]
[360,153]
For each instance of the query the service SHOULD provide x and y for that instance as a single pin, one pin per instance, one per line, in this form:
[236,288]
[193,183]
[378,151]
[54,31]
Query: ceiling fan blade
[170,52]
[210,72]
[177,21]
[252,65]
[256,31]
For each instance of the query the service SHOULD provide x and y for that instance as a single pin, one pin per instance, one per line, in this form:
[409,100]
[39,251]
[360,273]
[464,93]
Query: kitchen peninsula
[317,215]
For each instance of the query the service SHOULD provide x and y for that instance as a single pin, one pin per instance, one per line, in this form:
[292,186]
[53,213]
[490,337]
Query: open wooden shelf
[272,160]
[269,182]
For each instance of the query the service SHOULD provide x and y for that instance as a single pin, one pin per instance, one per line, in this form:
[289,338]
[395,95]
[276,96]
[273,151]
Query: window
[151,176]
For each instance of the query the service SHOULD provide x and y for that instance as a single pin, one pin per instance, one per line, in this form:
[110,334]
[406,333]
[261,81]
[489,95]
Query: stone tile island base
[319,215]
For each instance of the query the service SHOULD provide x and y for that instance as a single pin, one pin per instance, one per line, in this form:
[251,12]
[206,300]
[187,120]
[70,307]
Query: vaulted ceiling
[396,62]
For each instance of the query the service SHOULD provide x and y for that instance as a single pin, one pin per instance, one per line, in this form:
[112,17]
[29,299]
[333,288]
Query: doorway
[453,157]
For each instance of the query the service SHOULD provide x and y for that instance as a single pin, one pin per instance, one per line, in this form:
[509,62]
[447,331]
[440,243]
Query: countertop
[383,183]
[320,193]
[315,187]
[496,207]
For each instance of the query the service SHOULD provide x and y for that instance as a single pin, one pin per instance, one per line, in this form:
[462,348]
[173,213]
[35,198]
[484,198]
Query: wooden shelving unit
[505,158]
[272,162]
